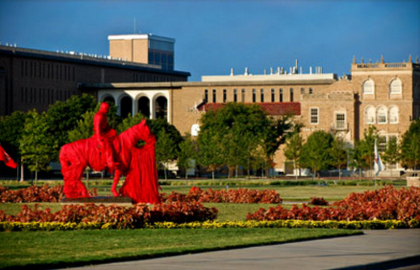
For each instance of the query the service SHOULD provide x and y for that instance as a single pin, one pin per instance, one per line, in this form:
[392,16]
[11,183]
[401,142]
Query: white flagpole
[378,166]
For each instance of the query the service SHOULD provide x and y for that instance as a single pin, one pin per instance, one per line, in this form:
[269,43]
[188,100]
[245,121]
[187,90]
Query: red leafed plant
[119,216]
[36,194]
[383,204]
[318,201]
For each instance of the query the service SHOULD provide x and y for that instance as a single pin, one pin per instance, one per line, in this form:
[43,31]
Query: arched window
[395,87]
[126,105]
[224,96]
[262,95]
[368,87]
[281,95]
[254,95]
[235,95]
[370,115]
[291,94]
[381,115]
[273,93]
[161,105]
[206,95]
[143,105]
[243,95]
[311,91]
[393,115]
[214,95]
[109,99]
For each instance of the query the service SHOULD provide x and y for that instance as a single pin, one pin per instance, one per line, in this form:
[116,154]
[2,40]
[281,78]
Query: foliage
[187,154]
[339,153]
[410,146]
[62,116]
[11,132]
[327,224]
[318,201]
[391,154]
[231,135]
[364,153]
[114,216]
[293,149]
[35,194]
[315,152]
[385,204]
[37,147]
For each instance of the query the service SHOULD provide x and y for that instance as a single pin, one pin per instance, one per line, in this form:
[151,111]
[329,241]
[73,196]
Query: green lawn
[70,248]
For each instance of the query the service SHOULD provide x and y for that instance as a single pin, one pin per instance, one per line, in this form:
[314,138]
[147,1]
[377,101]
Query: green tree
[339,153]
[410,146]
[315,152]
[365,148]
[187,154]
[293,150]
[392,153]
[237,122]
[11,130]
[63,116]
[210,152]
[36,145]
[166,150]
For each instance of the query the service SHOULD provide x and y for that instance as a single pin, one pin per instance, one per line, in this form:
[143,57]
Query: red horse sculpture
[138,164]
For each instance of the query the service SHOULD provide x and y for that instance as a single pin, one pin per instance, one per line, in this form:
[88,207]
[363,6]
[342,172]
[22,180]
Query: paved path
[376,249]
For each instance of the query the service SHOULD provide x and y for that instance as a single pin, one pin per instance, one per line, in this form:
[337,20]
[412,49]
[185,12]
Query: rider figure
[104,135]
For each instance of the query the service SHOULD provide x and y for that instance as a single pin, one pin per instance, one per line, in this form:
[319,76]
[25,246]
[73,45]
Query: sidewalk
[375,249]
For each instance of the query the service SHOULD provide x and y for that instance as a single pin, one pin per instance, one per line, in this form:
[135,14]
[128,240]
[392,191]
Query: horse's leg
[117,174]
[72,169]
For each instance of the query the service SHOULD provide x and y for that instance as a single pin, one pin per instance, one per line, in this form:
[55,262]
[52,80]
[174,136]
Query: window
[382,143]
[314,115]
[254,95]
[340,120]
[381,115]
[273,93]
[214,95]
[224,96]
[368,87]
[395,87]
[235,95]
[393,115]
[206,95]
[281,95]
[262,95]
[302,91]
[370,115]
[243,95]
[311,91]
[291,94]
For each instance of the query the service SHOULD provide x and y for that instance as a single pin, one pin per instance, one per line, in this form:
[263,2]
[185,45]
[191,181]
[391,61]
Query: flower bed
[115,216]
[36,194]
[358,225]
[196,194]
[240,195]
[387,203]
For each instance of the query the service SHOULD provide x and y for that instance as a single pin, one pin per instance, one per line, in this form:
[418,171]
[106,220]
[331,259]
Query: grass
[25,250]
[71,248]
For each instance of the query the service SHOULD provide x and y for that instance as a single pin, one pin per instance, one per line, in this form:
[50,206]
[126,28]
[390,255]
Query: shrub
[384,204]
[318,201]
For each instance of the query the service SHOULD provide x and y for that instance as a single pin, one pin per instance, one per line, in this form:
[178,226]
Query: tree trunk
[212,174]
[22,178]
[294,170]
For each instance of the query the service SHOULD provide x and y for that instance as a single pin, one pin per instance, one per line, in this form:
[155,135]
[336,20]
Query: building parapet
[335,95]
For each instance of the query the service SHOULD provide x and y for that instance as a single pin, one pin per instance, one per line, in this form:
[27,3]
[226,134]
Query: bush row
[359,225]
[240,195]
[43,193]
[385,204]
[119,217]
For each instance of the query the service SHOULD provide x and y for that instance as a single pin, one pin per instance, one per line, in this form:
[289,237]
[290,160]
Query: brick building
[35,79]
[139,77]
[386,95]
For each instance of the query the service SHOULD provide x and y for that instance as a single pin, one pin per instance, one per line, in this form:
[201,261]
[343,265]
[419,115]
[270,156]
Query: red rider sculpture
[104,135]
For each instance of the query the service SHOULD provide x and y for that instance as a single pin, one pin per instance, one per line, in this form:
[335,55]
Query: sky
[214,36]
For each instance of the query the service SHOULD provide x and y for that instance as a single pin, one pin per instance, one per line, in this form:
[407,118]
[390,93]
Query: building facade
[35,79]
[385,95]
